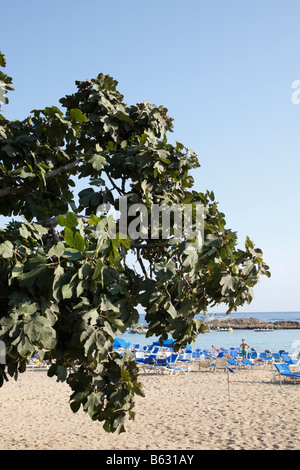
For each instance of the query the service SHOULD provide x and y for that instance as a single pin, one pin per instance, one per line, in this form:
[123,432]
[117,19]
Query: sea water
[274,341]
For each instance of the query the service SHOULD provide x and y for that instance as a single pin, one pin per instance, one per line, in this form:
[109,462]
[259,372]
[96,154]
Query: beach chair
[284,372]
[35,363]
[276,357]
[257,361]
[207,355]
[152,349]
[174,370]
[148,363]
[139,356]
[288,360]
[234,353]
[172,358]
[151,359]
[196,355]
[36,366]
[164,365]
[264,358]
[187,356]
[219,364]
[252,355]
[233,363]
[246,363]
[155,350]
[221,354]
[205,364]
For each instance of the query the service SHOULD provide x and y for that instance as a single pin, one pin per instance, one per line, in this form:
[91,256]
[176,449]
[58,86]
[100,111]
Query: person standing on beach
[244,347]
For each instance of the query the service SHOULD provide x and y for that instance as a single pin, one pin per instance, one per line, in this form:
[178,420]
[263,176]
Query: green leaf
[115,246]
[229,283]
[75,406]
[109,274]
[78,242]
[94,403]
[106,304]
[56,250]
[85,271]
[17,270]
[95,342]
[23,231]
[125,118]
[36,269]
[85,196]
[71,220]
[80,288]
[67,291]
[77,116]
[2,60]
[116,289]
[61,373]
[60,278]
[6,249]
[38,330]
[71,254]
[97,161]
[24,347]
[61,220]
[69,238]
[171,310]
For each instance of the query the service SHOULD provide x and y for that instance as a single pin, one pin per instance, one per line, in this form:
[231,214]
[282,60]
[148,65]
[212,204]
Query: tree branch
[50,174]
[63,169]
[113,183]
[55,234]
[51,222]
[141,263]
[149,246]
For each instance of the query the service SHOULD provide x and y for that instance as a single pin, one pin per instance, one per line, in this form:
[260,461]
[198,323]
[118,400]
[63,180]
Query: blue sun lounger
[167,367]
[289,360]
[284,372]
[247,363]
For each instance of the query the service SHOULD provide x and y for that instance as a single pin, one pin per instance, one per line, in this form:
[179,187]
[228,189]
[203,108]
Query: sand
[175,414]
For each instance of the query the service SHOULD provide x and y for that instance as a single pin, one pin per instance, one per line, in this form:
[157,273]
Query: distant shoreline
[235,324]
[250,324]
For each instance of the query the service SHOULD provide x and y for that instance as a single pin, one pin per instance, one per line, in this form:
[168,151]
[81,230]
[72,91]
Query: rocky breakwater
[250,324]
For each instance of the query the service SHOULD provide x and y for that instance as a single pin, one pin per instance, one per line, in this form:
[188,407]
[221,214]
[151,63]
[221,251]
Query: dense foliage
[67,287]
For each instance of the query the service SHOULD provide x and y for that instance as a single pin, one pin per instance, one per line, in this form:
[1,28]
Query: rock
[251,324]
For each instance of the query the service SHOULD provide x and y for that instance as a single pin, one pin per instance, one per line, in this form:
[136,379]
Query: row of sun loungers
[160,360]
[159,363]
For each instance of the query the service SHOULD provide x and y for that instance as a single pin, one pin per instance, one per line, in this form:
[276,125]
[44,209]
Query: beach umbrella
[121,343]
[168,343]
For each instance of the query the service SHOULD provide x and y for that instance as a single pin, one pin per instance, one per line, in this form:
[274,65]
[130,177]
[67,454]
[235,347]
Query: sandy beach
[175,414]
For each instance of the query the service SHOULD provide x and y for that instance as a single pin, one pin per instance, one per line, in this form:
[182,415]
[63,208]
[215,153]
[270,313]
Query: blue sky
[224,69]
